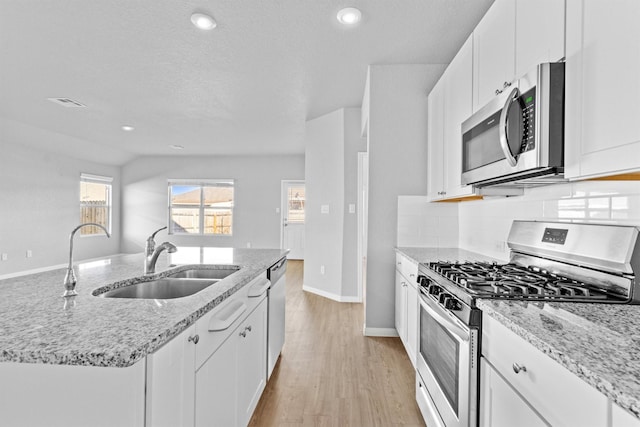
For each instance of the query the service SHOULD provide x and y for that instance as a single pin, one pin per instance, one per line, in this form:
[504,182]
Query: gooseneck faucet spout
[151,243]
[70,280]
[150,260]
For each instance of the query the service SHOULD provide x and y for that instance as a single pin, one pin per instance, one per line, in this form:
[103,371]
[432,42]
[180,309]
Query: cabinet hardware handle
[248,328]
[498,91]
[399,262]
[243,334]
[506,85]
[517,368]
[194,339]
[412,275]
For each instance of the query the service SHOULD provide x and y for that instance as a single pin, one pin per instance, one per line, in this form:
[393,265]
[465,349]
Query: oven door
[447,366]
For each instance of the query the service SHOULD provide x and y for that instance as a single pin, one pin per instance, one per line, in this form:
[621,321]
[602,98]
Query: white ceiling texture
[245,87]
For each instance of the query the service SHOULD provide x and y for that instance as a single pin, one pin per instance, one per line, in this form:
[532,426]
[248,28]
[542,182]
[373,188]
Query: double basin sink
[176,285]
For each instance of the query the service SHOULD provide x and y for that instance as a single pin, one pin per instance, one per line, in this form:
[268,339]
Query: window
[201,207]
[95,203]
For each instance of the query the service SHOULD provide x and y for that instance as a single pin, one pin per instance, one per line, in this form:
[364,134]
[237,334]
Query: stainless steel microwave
[518,138]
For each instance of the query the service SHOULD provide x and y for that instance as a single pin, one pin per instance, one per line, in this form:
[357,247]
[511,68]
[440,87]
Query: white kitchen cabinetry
[169,369]
[229,383]
[493,52]
[449,105]
[602,131]
[501,405]
[558,396]
[511,39]
[406,316]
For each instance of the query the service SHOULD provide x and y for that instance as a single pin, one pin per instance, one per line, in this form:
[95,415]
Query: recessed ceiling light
[176,147]
[202,21]
[349,16]
[127,128]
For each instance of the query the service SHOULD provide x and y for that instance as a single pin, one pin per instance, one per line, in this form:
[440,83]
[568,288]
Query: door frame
[362,209]
[283,197]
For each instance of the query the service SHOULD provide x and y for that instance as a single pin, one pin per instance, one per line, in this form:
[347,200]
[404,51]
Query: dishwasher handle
[277,270]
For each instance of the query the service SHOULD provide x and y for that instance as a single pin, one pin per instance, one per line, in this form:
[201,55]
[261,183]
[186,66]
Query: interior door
[293,214]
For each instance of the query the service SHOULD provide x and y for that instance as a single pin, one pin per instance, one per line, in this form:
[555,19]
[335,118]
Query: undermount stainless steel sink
[205,273]
[167,288]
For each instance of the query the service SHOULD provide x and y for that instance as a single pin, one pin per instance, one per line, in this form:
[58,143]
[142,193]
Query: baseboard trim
[329,295]
[380,332]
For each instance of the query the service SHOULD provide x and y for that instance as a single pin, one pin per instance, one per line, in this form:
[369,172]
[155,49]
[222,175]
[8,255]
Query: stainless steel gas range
[549,262]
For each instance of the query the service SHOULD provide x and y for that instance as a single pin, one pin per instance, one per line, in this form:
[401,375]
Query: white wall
[397,145]
[331,170]
[324,179]
[257,196]
[485,224]
[40,206]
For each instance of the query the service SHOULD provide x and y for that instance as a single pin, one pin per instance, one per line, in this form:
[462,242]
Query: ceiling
[246,87]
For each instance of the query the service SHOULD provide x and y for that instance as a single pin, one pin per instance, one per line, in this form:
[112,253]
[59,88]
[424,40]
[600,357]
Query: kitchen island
[599,344]
[48,344]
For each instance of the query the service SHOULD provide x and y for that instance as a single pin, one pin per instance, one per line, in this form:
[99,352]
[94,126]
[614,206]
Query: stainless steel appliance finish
[549,262]
[518,138]
[276,309]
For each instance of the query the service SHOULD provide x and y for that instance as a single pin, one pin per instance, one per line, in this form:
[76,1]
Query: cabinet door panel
[536,43]
[602,88]
[216,388]
[412,322]
[435,138]
[457,108]
[500,405]
[493,51]
[401,312]
[252,362]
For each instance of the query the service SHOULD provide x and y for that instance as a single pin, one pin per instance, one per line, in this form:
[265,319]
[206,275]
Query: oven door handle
[449,325]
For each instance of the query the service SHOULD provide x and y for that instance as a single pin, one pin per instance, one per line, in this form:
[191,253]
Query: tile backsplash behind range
[484,225]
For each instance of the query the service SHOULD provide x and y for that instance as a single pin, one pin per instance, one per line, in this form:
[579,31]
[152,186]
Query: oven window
[441,351]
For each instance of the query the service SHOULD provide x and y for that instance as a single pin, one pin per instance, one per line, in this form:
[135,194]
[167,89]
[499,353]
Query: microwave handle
[502,127]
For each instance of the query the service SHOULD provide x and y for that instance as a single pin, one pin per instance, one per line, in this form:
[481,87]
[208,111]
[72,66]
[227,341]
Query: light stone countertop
[37,325]
[600,343]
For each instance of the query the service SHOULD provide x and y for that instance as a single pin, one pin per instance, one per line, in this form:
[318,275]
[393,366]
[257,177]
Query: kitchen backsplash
[424,224]
[483,225]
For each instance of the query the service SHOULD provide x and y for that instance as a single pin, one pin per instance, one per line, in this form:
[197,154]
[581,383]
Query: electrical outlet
[4,257]
[322,269]
[29,253]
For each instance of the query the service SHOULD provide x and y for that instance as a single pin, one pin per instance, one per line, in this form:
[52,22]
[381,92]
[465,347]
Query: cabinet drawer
[558,395]
[407,268]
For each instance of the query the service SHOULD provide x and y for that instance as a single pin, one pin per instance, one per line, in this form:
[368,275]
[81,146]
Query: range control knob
[452,304]
[422,280]
[443,297]
[434,289]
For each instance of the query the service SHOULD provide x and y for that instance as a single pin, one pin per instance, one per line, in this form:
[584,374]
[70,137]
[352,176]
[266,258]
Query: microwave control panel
[528,104]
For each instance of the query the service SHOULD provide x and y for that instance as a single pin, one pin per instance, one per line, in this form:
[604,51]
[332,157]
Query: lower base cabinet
[229,384]
[501,405]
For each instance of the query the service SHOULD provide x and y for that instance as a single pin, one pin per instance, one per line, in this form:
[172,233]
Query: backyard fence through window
[201,206]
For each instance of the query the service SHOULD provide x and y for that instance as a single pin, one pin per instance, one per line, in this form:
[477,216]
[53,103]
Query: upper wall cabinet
[449,106]
[512,38]
[602,124]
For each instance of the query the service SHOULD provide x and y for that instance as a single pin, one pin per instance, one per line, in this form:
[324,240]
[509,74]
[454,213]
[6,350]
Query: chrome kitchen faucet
[152,253]
[70,280]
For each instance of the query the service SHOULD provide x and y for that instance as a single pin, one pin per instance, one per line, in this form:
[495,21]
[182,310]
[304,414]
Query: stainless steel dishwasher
[275,337]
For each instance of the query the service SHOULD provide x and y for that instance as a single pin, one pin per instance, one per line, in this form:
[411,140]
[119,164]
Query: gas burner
[493,280]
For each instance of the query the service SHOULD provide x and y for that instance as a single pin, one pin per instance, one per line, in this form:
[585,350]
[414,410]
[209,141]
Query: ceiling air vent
[66,102]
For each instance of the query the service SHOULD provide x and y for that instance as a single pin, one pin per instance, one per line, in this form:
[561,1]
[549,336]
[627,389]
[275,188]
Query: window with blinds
[202,207]
[95,203]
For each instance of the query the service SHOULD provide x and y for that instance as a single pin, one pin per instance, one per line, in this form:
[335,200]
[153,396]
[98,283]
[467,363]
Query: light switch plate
[352,208]
[324,209]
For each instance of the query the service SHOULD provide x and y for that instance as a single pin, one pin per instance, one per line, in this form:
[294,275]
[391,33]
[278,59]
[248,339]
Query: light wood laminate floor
[329,374]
